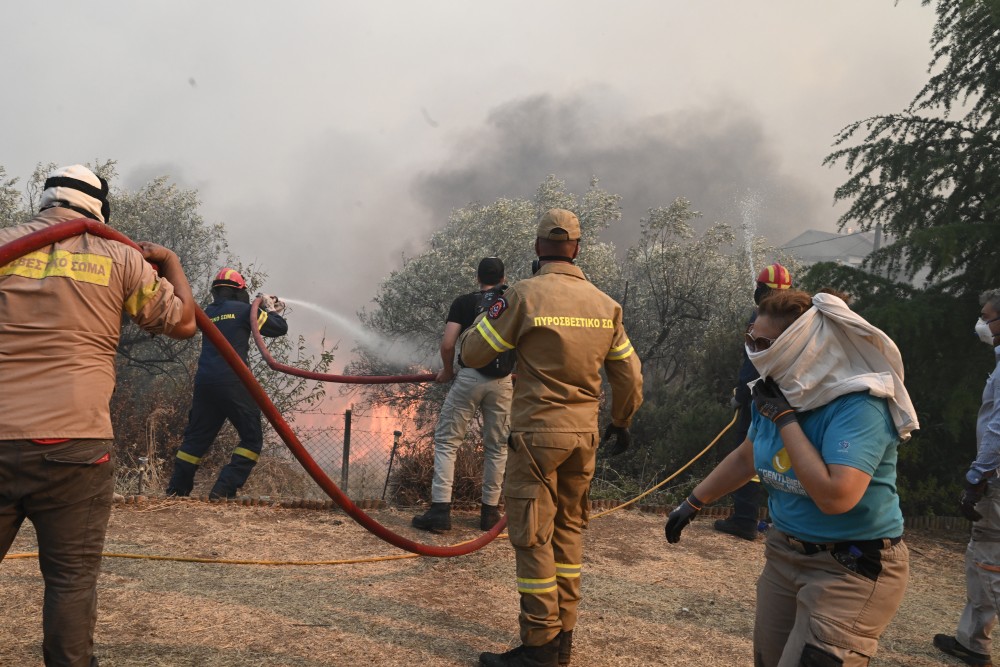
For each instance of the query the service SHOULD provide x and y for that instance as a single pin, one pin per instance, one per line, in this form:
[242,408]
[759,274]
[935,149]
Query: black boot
[565,646]
[182,480]
[736,528]
[951,646]
[437,519]
[222,491]
[489,515]
[546,655]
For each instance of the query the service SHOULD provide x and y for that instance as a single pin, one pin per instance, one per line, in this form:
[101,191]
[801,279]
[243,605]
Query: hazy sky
[330,137]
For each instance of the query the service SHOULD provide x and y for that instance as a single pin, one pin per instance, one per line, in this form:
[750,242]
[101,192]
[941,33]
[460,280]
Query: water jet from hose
[393,352]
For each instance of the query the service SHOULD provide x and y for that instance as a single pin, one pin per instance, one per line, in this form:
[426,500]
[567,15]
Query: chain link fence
[371,454]
[357,451]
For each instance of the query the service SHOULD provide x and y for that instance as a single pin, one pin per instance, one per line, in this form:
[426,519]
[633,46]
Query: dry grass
[645,603]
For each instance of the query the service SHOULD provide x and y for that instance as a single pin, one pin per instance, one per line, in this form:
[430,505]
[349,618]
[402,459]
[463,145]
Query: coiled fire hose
[63,230]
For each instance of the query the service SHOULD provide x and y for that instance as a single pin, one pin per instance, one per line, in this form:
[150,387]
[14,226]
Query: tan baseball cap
[558,224]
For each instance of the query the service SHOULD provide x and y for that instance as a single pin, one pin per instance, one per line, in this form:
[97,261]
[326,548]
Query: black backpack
[503,365]
[500,367]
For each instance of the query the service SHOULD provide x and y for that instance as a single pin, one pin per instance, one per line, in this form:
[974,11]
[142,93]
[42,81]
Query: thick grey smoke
[711,156]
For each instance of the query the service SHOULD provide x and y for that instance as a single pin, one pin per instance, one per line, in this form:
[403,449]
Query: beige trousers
[471,391]
[546,490]
[812,611]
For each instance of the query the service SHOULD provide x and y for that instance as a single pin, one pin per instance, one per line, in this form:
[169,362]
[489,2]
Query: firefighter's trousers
[65,490]
[547,491]
[211,406]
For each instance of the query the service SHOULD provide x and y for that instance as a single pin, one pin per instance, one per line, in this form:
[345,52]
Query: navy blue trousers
[211,406]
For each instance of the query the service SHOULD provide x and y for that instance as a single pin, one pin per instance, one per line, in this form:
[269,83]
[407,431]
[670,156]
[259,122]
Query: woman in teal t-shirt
[829,413]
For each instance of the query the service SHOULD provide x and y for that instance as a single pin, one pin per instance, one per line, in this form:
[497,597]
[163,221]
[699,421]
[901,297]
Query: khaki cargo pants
[65,490]
[471,391]
[546,489]
[812,611]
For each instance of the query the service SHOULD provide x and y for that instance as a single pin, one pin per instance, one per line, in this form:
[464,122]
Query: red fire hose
[64,230]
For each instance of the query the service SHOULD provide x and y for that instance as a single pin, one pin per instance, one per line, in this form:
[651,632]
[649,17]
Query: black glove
[622,438]
[681,517]
[772,404]
[487,298]
[971,495]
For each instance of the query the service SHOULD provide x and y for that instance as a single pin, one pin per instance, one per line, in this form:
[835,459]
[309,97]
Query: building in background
[849,248]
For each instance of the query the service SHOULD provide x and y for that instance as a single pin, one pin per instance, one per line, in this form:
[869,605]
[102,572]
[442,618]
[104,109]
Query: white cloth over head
[830,351]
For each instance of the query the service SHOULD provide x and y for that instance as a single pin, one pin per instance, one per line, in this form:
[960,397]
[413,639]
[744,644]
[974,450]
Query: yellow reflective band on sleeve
[81,267]
[621,352]
[184,456]
[491,336]
[139,298]
[568,570]
[536,586]
[261,317]
[246,453]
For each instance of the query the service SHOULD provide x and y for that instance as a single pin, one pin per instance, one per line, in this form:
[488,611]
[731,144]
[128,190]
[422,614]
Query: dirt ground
[645,602]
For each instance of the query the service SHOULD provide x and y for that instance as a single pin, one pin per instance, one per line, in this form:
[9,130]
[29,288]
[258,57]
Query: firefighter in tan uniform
[564,331]
[60,319]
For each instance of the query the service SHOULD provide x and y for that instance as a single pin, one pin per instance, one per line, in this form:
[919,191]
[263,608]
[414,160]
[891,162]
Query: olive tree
[411,304]
[928,174]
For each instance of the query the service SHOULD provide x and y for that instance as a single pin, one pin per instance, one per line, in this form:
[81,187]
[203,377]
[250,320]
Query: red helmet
[775,276]
[229,278]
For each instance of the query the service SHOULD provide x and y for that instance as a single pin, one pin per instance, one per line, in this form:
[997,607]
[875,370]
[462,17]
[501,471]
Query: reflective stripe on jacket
[564,331]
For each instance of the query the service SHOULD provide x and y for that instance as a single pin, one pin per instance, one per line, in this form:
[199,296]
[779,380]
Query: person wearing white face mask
[980,503]
[827,420]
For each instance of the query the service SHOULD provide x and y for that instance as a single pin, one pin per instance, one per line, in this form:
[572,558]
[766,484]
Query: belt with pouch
[810,548]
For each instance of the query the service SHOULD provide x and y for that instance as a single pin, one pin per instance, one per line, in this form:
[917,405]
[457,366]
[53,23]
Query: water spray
[750,209]
[392,351]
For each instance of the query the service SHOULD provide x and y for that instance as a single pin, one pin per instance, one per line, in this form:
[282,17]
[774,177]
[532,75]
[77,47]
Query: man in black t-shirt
[488,389]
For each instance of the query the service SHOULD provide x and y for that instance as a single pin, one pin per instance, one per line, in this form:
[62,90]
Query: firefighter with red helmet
[747,499]
[220,395]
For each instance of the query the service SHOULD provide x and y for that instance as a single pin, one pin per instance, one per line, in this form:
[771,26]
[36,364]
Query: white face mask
[983,331]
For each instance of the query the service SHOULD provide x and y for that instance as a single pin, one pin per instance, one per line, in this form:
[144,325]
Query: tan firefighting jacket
[60,319]
[564,331]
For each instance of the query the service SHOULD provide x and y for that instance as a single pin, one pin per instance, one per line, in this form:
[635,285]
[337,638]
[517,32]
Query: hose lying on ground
[376,559]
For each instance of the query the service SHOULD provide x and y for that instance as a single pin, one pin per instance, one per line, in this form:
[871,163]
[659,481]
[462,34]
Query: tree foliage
[685,301]
[411,304]
[681,285]
[930,175]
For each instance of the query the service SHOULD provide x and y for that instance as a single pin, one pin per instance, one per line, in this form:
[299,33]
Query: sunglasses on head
[757,343]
